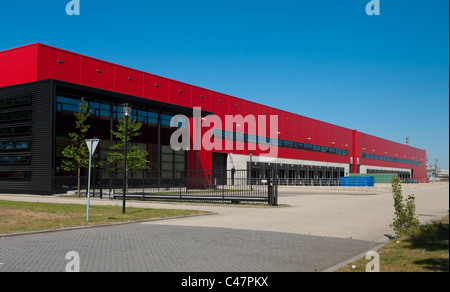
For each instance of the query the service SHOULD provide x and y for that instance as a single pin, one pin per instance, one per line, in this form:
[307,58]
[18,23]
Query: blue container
[368,181]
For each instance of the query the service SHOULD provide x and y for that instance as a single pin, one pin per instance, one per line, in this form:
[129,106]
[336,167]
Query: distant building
[443,174]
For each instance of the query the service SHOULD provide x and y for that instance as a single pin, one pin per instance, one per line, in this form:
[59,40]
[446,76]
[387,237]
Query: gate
[205,186]
[232,186]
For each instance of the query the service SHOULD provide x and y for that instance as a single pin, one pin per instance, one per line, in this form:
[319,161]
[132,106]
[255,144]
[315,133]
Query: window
[117,111]
[94,107]
[252,139]
[289,144]
[166,158]
[15,116]
[105,111]
[24,100]
[141,115]
[239,137]
[165,119]
[217,134]
[67,104]
[152,117]
[16,145]
[15,131]
[229,135]
[99,108]
[172,161]
[391,159]
[15,175]
[15,160]
[179,160]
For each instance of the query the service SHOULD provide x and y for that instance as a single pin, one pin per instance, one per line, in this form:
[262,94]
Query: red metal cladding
[58,64]
[156,88]
[19,65]
[98,74]
[129,81]
[180,93]
[201,98]
[355,152]
[387,150]
[219,105]
[39,62]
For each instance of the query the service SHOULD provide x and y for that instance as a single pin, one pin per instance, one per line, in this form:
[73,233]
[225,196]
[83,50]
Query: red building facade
[301,140]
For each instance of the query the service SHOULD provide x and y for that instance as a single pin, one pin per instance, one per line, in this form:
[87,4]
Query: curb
[101,225]
[353,259]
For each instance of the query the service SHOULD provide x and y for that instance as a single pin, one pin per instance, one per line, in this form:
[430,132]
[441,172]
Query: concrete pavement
[330,212]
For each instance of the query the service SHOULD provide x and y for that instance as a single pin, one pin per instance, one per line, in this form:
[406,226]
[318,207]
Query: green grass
[23,216]
[424,250]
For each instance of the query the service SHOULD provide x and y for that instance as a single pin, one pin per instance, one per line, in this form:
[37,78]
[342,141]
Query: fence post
[273,188]
[275,193]
[143,184]
[223,186]
[101,189]
[269,186]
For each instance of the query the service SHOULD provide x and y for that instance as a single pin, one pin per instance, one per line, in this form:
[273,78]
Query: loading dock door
[219,165]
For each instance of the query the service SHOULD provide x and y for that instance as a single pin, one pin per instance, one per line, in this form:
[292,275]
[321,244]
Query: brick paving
[310,234]
[168,248]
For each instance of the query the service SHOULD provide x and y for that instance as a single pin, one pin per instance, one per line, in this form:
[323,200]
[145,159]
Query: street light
[126,113]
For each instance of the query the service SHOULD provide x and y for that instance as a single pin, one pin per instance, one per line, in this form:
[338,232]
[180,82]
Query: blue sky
[383,75]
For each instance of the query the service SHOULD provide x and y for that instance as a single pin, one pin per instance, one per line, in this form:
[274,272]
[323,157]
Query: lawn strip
[25,216]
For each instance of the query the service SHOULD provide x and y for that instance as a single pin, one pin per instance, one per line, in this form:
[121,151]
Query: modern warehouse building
[41,88]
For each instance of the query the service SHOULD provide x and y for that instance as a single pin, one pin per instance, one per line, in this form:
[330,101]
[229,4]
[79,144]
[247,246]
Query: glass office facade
[106,112]
[15,146]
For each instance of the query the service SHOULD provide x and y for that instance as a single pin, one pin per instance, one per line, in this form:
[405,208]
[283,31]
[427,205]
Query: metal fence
[203,186]
[343,182]
[308,181]
[352,181]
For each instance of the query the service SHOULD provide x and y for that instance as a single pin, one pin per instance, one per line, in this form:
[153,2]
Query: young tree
[405,219]
[136,157]
[77,153]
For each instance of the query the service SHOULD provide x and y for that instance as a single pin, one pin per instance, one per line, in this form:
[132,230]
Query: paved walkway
[317,228]
[167,248]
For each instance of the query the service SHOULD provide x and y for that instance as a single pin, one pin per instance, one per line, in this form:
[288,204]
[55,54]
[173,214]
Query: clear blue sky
[383,75]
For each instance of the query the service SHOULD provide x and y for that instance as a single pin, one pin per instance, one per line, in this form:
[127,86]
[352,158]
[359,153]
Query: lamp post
[126,113]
